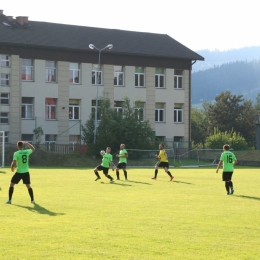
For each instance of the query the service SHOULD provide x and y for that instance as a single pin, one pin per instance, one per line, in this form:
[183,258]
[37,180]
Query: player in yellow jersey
[162,163]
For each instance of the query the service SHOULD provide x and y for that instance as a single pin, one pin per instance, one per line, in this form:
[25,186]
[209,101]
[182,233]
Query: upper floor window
[159,112]
[4,99]
[27,138]
[178,79]
[50,108]
[139,111]
[5,61]
[74,73]
[74,109]
[178,113]
[118,106]
[50,71]
[4,118]
[118,76]
[139,76]
[5,79]
[27,70]
[96,74]
[94,107]
[27,108]
[6,137]
[159,78]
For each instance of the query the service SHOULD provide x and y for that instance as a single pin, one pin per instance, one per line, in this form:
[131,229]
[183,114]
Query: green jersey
[107,158]
[22,160]
[228,159]
[122,153]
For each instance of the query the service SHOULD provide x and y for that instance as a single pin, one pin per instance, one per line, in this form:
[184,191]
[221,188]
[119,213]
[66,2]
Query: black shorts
[163,164]
[21,176]
[104,169]
[227,176]
[121,165]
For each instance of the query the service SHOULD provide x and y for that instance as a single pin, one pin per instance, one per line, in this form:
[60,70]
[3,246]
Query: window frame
[178,112]
[117,75]
[160,112]
[5,98]
[7,80]
[51,110]
[138,76]
[97,74]
[29,71]
[4,116]
[75,74]
[50,72]
[72,112]
[6,61]
[178,79]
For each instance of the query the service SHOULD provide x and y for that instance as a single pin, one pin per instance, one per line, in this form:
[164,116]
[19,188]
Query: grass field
[140,219]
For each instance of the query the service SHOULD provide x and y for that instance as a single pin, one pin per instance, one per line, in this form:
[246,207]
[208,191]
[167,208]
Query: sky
[198,24]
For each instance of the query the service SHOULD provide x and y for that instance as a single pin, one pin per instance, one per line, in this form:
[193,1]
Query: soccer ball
[102,152]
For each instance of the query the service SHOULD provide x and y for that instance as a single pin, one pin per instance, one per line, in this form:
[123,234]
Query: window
[139,76]
[139,111]
[27,70]
[118,76]
[5,78]
[27,138]
[159,78]
[178,79]
[50,141]
[50,71]
[118,106]
[74,109]
[93,109]
[178,113]
[74,73]
[27,108]
[4,99]
[4,118]
[5,61]
[159,112]
[50,108]
[96,75]
[6,137]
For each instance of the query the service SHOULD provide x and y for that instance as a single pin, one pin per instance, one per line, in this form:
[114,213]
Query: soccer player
[228,159]
[21,161]
[123,155]
[107,161]
[163,162]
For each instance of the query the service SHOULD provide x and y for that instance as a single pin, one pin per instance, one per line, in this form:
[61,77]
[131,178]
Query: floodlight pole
[92,46]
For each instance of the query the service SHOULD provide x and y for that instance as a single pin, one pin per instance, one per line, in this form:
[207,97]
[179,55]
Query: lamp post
[92,46]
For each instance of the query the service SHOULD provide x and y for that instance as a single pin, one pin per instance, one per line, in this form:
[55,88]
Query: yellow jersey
[163,156]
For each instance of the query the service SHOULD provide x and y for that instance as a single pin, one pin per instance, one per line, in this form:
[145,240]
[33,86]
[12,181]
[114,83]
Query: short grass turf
[78,218]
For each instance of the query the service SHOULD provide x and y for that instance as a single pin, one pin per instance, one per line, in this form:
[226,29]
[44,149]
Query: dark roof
[72,37]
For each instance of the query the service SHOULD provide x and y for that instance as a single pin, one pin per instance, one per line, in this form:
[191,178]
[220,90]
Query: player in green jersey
[228,160]
[21,163]
[123,155]
[107,161]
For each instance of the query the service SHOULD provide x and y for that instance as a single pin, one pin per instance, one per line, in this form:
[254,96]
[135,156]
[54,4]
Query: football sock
[11,190]
[227,186]
[109,177]
[231,185]
[155,173]
[169,173]
[97,174]
[31,193]
[117,174]
[125,173]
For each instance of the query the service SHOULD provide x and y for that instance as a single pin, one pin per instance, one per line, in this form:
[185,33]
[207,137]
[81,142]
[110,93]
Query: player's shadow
[184,182]
[139,182]
[116,183]
[3,172]
[39,209]
[247,197]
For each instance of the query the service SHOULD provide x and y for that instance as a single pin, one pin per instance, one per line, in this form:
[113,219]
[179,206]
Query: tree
[231,112]
[38,134]
[115,128]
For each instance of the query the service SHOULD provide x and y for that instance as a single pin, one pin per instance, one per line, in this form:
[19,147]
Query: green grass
[77,218]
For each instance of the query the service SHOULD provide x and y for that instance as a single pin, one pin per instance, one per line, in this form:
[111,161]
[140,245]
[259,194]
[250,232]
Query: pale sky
[197,24]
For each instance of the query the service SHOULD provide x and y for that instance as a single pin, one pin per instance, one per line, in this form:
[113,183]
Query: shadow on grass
[3,172]
[139,182]
[183,182]
[39,209]
[247,197]
[116,183]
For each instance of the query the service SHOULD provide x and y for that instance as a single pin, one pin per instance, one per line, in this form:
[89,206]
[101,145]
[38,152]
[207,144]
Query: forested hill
[239,77]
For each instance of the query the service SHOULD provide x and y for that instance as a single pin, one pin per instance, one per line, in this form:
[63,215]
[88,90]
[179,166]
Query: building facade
[50,79]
